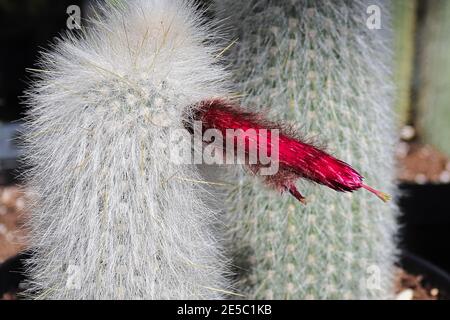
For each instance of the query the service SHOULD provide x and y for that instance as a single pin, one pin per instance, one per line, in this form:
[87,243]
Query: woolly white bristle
[112,216]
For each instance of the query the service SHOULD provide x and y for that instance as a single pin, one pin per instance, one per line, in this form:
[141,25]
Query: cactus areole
[297,159]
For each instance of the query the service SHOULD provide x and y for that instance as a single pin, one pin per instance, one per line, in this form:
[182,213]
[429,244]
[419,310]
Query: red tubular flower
[296,159]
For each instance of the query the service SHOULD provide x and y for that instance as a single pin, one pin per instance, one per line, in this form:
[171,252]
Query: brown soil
[12,203]
[411,287]
[12,235]
[421,164]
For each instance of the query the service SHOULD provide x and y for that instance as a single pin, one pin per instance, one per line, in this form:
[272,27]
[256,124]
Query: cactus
[404,25]
[317,64]
[434,96]
[112,217]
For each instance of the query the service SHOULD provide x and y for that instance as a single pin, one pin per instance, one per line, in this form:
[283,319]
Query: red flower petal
[296,159]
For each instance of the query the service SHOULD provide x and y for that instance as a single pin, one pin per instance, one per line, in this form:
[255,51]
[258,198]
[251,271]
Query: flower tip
[296,194]
[383,196]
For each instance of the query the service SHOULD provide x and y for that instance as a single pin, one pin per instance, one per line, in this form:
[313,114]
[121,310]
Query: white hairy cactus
[112,216]
[318,64]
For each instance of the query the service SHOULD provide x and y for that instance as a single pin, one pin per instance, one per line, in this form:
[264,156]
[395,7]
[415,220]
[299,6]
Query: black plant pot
[425,222]
[12,273]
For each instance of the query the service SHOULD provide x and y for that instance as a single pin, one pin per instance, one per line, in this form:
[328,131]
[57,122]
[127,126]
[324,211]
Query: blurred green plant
[434,92]
[404,21]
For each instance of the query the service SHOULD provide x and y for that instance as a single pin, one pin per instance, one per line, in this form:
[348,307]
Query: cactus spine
[113,218]
[434,96]
[318,64]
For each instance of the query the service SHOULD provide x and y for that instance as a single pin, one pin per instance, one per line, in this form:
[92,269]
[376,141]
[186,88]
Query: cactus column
[114,217]
[317,64]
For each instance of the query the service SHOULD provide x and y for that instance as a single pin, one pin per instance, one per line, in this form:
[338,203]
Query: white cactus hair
[112,217]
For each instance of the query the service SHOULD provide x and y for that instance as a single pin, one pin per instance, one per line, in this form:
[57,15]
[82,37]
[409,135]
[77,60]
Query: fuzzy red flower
[296,159]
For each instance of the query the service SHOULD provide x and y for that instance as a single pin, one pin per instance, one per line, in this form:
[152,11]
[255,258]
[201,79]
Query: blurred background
[422,101]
